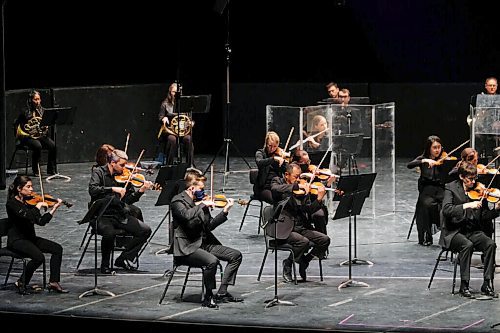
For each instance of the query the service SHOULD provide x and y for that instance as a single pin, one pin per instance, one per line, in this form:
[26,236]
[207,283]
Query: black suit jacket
[193,224]
[456,219]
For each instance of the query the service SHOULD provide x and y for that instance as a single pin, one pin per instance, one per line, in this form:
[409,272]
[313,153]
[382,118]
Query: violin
[221,201]
[131,166]
[480,192]
[35,198]
[283,154]
[483,170]
[445,157]
[137,179]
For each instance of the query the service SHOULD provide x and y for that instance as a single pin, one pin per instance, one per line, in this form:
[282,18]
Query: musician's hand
[332,179]
[321,193]
[192,123]
[473,204]
[146,186]
[229,204]
[279,159]
[165,120]
[304,186]
[497,205]
[41,204]
[208,203]
[314,144]
[120,190]
[58,204]
[429,161]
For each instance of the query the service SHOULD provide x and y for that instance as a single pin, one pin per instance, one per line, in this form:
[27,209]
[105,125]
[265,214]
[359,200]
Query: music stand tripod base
[356,261]
[352,283]
[58,176]
[97,291]
[277,301]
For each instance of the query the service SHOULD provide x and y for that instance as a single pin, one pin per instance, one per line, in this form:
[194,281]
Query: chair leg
[26,164]
[435,268]
[44,275]
[320,269]
[454,276]
[261,222]
[412,223]
[8,272]
[245,214]
[171,275]
[293,267]
[262,265]
[185,282]
[12,158]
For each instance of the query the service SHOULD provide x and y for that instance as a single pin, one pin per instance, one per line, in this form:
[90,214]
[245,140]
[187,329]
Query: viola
[221,201]
[483,170]
[137,179]
[35,198]
[131,166]
[283,154]
[480,192]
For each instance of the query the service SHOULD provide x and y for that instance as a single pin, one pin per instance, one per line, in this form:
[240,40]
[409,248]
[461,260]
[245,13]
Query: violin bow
[126,142]
[491,181]
[212,182]
[309,138]
[454,150]
[316,171]
[289,137]
[41,183]
[133,170]
[493,160]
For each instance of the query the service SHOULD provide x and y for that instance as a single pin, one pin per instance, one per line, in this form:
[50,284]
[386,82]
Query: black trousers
[465,244]
[208,257]
[168,145]
[428,206]
[109,227]
[35,250]
[320,220]
[36,146]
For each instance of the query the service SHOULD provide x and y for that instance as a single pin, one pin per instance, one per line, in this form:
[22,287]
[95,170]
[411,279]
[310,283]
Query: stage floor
[397,298]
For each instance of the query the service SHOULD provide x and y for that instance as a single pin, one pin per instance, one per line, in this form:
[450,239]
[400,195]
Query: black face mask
[199,195]
[304,167]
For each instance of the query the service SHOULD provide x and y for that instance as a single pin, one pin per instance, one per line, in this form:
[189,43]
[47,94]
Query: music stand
[171,179]
[274,220]
[95,214]
[348,144]
[53,117]
[190,104]
[354,184]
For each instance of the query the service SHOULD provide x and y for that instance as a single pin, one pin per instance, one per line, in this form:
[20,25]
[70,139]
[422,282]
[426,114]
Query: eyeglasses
[472,178]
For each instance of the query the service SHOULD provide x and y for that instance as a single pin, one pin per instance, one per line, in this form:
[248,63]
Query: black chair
[6,252]
[175,268]
[438,260]
[281,245]
[21,148]
[253,178]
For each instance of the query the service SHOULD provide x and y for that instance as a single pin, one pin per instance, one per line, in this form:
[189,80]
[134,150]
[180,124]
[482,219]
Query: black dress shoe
[21,288]
[287,271]
[303,264]
[125,264]
[209,302]
[226,298]
[106,270]
[465,292]
[486,290]
[55,286]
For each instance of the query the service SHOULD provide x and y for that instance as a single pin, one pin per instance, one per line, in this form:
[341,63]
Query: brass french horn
[180,125]
[32,129]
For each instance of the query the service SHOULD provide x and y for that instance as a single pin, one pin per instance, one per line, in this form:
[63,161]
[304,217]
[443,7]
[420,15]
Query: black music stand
[53,117]
[171,179]
[274,220]
[349,145]
[190,104]
[353,184]
[95,213]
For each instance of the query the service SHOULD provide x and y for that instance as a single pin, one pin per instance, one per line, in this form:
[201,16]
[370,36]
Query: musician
[35,137]
[463,220]
[168,142]
[103,154]
[318,133]
[22,237]
[271,163]
[320,217]
[194,243]
[430,188]
[297,213]
[119,215]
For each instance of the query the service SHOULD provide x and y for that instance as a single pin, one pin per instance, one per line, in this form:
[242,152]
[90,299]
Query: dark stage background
[113,62]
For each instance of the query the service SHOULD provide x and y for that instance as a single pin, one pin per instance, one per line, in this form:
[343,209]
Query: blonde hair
[271,136]
[118,154]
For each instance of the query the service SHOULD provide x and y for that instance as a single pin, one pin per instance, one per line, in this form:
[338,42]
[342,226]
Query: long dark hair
[103,154]
[428,143]
[19,181]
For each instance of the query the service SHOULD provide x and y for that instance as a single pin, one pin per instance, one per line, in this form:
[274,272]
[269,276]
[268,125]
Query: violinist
[196,245]
[103,154]
[22,237]
[430,188]
[119,215]
[463,221]
[298,212]
[320,217]
[468,155]
[271,163]
[168,142]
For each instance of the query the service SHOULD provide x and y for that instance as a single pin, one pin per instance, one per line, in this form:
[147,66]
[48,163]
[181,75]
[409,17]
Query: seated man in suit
[194,243]
[462,228]
[297,213]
